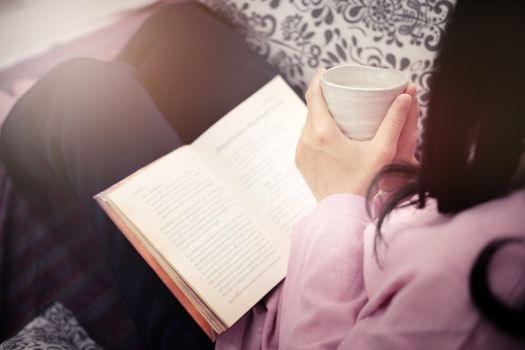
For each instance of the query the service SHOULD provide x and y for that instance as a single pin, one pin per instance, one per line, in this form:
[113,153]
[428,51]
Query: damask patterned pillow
[56,329]
[299,35]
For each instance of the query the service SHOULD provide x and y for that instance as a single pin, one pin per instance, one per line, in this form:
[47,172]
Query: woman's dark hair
[474,132]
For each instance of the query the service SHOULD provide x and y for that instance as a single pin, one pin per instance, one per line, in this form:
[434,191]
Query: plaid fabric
[48,253]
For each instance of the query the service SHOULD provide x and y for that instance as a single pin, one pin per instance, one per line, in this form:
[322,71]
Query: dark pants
[88,124]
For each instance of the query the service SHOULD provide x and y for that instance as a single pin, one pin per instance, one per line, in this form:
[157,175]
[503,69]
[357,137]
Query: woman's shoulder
[436,241]
[439,243]
[501,216]
[446,234]
[428,257]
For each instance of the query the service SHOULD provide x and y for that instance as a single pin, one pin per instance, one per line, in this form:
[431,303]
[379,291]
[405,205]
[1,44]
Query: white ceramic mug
[358,97]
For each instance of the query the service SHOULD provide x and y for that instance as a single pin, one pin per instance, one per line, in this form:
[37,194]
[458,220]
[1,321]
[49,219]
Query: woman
[443,272]
[447,270]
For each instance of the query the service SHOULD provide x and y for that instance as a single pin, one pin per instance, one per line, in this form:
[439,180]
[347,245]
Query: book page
[252,149]
[202,231]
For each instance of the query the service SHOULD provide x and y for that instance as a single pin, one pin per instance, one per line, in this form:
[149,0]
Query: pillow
[297,36]
[56,329]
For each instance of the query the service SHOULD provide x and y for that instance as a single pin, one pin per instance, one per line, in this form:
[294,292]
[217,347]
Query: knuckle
[299,155]
[314,93]
[301,144]
[322,135]
[384,154]
[314,138]
[381,152]
[297,159]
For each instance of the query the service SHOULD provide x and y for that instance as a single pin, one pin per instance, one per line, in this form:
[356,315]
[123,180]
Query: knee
[85,88]
[81,78]
[78,99]
[44,100]
[73,84]
[188,25]
[185,16]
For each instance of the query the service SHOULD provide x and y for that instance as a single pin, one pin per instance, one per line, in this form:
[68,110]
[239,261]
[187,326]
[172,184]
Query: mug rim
[371,68]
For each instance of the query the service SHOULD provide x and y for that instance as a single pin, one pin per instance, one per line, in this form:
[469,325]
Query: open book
[214,219]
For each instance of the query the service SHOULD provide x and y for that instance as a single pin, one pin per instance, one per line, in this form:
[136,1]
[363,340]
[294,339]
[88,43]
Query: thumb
[388,133]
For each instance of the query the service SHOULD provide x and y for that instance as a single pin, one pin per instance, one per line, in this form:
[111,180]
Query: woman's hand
[332,163]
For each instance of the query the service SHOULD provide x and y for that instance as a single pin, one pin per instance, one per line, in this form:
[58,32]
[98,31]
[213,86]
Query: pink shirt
[335,294]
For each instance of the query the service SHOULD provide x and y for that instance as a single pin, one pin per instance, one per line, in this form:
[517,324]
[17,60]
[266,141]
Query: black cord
[509,320]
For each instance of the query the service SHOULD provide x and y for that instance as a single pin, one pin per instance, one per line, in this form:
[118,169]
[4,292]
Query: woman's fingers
[408,138]
[320,127]
[413,113]
[317,108]
[406,143]
[392,125]
[411,90]
[330,162]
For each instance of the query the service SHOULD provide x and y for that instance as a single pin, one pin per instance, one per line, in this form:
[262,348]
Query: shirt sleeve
[324,288]
[323,291]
